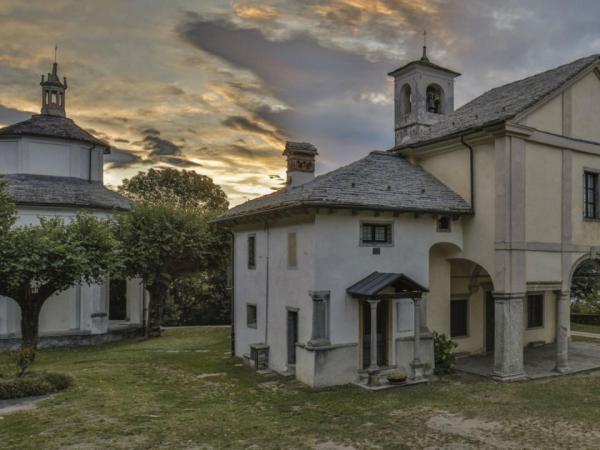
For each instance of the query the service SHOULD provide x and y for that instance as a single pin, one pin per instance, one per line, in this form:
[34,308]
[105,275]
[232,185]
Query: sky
[218,86]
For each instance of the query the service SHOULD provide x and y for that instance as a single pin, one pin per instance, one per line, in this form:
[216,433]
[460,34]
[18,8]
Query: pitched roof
[372,284]
[504,102]
[380,180]
[51,126]
[45,190]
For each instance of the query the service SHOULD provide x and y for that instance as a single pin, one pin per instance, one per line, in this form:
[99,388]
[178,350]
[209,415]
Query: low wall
[587,319]
[327,366]
[75,338]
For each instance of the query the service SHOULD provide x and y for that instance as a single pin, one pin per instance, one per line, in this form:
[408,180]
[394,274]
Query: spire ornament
[424,57]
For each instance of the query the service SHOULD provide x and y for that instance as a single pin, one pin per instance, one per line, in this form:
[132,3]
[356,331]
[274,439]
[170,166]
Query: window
[376,233]
[434,97]
[251,315]
[252,251]
[444,224]
[406,100]
[590,195]
[535,310]
[458,318]
[292,249]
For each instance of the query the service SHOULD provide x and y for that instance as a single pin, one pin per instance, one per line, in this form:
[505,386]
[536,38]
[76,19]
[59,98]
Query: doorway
[489,322]
[292,336]
[382,334]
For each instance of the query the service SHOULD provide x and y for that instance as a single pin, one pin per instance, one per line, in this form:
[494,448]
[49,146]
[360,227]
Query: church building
[471,226]
[54,168]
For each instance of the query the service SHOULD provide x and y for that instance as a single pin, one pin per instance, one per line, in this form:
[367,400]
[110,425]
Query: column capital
[373,301]
[319,296]
[508,296]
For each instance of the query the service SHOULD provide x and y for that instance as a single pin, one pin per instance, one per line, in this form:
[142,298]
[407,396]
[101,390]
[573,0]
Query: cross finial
[424,57]
[55,51]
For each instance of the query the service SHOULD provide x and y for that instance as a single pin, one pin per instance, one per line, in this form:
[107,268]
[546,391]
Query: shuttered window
[292,251]
[590,195]
[458,318]
[535,310]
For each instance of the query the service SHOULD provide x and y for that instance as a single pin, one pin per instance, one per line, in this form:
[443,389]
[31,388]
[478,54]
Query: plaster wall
[548,117]
[54,157]
[585,232]
[586,107]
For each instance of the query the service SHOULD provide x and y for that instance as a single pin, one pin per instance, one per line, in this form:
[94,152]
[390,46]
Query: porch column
[508,349]
[320,324]
[373,367]
[416,364]
[563,318]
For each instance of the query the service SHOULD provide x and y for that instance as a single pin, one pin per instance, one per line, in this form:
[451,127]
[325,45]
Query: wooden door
[382,334]
[489,322]
[292,336]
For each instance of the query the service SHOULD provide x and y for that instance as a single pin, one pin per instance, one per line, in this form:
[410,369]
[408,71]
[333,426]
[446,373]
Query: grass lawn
[183,391]
[585,327]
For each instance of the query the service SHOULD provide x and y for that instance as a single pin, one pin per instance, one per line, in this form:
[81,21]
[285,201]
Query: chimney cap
[299,147]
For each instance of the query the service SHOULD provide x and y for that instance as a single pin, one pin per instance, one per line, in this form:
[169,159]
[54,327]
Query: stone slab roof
[381,180]
[44,190]
[376,282]
[51,126]
[504,102]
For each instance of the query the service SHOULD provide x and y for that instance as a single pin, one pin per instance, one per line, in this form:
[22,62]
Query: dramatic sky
[218,86]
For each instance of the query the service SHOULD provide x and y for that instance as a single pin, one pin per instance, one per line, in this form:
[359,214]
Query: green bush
[33,384]
[24,358]
[445,358]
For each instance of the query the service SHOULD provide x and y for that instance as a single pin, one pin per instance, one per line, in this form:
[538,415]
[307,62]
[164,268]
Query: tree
[7,209]
[160,243]
[38,261]
[180,188]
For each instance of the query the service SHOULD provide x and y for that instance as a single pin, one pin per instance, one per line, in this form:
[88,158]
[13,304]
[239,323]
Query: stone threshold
[385,386]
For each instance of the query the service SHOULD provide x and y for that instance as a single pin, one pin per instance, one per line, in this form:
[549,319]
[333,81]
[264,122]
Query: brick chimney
[300,162]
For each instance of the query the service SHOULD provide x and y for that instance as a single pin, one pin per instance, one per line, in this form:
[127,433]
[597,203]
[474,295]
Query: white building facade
[53,168]
[471,226]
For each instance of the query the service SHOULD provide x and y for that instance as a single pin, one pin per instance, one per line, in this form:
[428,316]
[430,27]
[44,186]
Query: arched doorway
[585,287]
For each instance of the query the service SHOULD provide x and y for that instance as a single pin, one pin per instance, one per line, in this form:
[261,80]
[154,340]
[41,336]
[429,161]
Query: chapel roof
[503,103]
[45,190]
[381,181]
[45,125]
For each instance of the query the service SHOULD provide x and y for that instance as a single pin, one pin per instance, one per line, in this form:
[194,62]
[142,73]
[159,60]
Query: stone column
[416,364]
[508,349]
[373,367]
[563,318]
[320,324]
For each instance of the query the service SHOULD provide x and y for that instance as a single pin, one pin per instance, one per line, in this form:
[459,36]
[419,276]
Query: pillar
[320,323]
[508,349]
[563,318]
[373,367]
[416,364]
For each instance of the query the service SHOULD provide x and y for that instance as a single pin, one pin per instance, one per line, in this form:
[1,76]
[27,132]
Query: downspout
[232,292]
[267,287]
[472,174]
[91,149]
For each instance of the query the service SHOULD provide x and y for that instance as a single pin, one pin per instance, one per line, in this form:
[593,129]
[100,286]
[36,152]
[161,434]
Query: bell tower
[423,94]
[53,92]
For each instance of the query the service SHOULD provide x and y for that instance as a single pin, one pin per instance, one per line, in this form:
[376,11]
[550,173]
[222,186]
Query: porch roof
[372,285]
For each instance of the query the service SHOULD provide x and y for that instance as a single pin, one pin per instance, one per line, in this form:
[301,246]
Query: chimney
[300,162]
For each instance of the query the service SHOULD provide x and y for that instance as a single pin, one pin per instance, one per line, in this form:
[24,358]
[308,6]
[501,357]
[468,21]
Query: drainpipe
[91,149]
[472,174]
[232,292]
[267,287]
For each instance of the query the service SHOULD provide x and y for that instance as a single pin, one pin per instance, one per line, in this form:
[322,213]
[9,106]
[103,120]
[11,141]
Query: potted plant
[397,378]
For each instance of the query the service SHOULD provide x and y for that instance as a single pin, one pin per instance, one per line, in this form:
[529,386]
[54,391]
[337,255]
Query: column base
[418,370]
[507,378]
[562,369]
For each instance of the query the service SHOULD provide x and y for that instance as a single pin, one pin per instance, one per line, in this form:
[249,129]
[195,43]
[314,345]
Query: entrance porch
[539,362]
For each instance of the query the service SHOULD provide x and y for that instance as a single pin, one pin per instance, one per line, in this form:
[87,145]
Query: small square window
[444,224]
[376,233]
[252,251]
[535,311]
[251,315]
[459,318]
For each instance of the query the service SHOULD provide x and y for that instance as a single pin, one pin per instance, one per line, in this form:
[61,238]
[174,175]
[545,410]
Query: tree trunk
[158,292]
[30,319]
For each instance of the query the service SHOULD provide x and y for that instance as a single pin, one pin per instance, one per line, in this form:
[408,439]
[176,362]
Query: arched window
[435,96]
[406,96]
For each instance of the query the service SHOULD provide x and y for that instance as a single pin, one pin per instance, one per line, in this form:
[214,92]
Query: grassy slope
[156,394]
[585,327]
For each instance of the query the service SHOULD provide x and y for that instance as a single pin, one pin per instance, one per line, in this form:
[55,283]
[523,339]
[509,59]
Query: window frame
[466,329]
[292,263]
[440,229]
[541,311]
[250,306]
[251,251]
[590,174]
[389,226]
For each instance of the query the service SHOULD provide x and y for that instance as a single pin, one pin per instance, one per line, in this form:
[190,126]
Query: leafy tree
[7,209]
[38,261]
[180,188]
[161,243]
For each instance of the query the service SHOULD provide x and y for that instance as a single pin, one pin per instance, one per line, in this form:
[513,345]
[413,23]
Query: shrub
[445,357]
[33,384]
[24,358]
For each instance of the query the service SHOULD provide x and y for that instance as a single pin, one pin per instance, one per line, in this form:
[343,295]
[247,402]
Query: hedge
[587,319]
[33,384]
